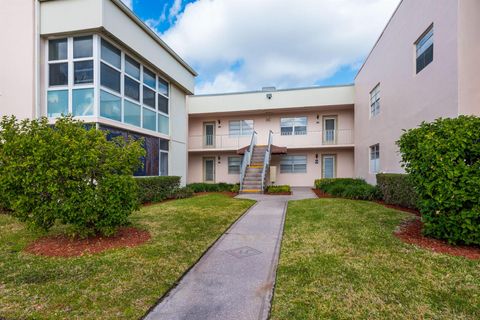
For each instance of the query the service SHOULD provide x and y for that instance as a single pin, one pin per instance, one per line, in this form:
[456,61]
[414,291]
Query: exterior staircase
[252,182]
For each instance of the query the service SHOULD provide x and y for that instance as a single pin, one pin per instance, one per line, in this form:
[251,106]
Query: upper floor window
[375,158]
[424,48]
[375,101]
[240,127]
[293,164]
[293,126]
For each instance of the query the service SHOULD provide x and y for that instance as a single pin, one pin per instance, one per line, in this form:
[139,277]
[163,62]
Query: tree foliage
[67,173]
[443,160]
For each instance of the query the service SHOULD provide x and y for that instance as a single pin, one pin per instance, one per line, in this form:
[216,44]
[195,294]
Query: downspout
[37,60]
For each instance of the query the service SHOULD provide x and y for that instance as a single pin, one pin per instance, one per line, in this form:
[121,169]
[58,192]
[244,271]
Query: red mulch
[411,232]
[321,194]
[396,207]
[62,246]
[226,193]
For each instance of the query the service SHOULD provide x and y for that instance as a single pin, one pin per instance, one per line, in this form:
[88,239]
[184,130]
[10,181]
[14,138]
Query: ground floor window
[293,164]
[329,166]
[375,158]
[163,157]
[234,164]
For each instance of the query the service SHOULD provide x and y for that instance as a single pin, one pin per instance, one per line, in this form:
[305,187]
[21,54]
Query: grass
[115,284]
[339,260]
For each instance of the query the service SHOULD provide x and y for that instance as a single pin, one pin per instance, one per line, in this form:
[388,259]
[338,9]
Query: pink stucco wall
[17,64]
[407,98]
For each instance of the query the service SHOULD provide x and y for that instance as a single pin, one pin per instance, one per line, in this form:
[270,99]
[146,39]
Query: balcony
[300,140]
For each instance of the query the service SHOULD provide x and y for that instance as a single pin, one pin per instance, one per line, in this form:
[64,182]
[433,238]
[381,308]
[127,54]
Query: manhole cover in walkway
[243,252]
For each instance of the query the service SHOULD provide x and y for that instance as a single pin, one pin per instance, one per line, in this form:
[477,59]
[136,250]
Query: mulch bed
[321,194]
[396,207]
[411,232]
[63,246]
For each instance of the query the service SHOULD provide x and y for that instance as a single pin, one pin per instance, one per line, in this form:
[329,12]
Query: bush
[278,189]
[211,187]
[397,189]
[182,193]
[348,188]
[156,189]
[443,161]
[67,174]
[235,188]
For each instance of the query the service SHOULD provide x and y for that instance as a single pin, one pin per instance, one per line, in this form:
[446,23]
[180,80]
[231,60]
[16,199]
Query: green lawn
[339,260]
[116,284]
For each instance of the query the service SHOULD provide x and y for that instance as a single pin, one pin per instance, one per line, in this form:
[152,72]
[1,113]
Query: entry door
[329,130]
[328,166]
[209,169]
[209,134]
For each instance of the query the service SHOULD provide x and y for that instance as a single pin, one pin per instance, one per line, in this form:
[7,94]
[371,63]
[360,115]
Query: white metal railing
[226,141]
[315,138]
[266,159]
[247,157]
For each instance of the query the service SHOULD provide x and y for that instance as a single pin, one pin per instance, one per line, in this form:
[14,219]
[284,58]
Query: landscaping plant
[397,189]
[211,187]
[67,174]
[156,189]
[443,160]
[349,188]
[279,189]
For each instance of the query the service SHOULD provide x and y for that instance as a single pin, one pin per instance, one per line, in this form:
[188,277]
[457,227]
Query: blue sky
[238,45]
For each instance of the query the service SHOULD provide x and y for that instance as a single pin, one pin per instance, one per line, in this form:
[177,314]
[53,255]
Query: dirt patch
[226,193]
[62,246]
[411,232]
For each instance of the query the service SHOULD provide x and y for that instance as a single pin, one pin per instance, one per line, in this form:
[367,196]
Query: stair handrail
[247,157]
[266,159]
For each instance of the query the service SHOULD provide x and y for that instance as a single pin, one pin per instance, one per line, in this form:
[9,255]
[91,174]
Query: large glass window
[148,97]
[132,67]
[132,88]
[163,124]
[83,72]
[293,164]
[240,127]
[57,103]
[163,87]
[110,106]
[424,48]
[132,113]
[82,102]
[293,126]
[375,158]
[375,101]
[58,49]
[82,47]
[164,157]
[162,104]
[111,54]
[149,78]
[58,74]
[234,164]
[149,119]
[109,77]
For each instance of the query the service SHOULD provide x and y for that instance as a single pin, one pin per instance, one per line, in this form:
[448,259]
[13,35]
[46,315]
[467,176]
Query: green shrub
[443,161]
[397,189]
[156,189]
[67,174]
[182,193]
[235,188]
[210,187]
[348,188]
[279,189]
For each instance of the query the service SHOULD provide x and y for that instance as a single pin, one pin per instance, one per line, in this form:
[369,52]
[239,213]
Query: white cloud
[128,3]
[174,9]
[274,42]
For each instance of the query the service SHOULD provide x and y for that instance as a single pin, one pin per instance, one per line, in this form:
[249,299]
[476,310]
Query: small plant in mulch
[279,190]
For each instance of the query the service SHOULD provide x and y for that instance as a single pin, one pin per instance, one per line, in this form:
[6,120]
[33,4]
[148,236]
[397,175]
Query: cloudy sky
[238,45]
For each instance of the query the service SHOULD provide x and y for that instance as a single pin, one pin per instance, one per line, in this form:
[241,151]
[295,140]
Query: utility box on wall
[273,174]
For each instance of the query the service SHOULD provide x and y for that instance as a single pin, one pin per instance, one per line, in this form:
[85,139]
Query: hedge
[212,187]
[279,189]
[349,188]
[443,161]
[156,189]
[397,189]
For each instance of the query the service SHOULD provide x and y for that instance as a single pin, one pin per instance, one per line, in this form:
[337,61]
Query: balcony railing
[283,139]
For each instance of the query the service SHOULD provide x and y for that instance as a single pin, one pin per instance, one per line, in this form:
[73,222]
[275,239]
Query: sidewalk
[234,279]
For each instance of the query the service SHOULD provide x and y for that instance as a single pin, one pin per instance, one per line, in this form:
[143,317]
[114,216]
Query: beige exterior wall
[17,63]
[468,55]
[407,98]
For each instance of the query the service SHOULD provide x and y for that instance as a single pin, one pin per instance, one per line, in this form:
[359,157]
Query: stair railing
[247,158]
[266,159]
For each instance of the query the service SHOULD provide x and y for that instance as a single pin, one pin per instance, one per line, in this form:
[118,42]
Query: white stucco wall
[407,98]
[178,134]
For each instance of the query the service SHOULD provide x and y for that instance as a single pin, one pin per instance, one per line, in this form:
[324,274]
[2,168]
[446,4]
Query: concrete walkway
[234,279]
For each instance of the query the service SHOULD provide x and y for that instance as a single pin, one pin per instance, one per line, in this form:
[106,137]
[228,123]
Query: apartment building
[96,60]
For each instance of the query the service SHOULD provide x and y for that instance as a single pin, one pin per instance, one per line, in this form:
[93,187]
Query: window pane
[57,103]
[149,119]
[57,49]
[109,77]
[149,78]
[163,87]
[300,130]
[164,144]
[148,97]
[162,104]
[163,126]
[163,164]
[110,106]
[132,89]
[131,113]
[83,47]
[286,131]
[132,67]
[328,167]
[83,72]
[111,54]
[82,102]
[234,165]
[247,127]
[234,128]
[58,74]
